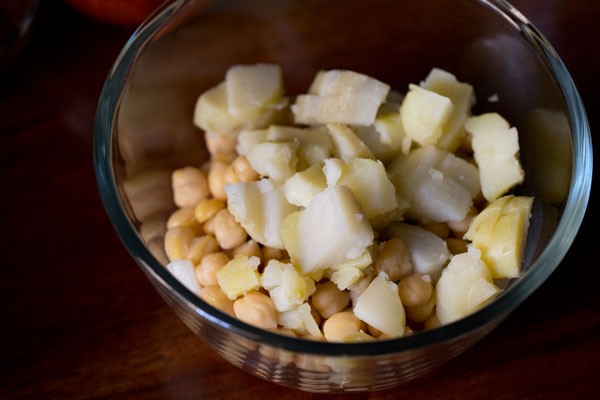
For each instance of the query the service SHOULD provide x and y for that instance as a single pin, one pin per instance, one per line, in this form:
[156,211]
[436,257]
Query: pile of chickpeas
[204,231]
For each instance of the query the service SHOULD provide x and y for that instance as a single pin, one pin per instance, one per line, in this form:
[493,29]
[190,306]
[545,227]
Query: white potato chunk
[320,244]
[380,307]
[424,115]
[464,287]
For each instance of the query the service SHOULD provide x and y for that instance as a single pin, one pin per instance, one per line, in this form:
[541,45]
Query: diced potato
[275,160]
[386,137]
[424,115]
[287,287]
[464,287]
[340,96]
[211,112]
[500,233]
[251,88]
[260,207]
[248,138]
[346,144]
[345,277]
[301,187]
[462,97]
[495,148]
[368,182]
[437,185]
[239,276]
[380,307]
[320,245]
[315,143]
[300,320]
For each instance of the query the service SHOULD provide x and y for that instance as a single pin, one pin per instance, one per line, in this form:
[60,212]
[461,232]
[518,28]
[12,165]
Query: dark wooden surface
[79,319]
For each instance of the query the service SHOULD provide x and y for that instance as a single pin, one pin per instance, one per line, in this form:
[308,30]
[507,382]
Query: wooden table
[81,321]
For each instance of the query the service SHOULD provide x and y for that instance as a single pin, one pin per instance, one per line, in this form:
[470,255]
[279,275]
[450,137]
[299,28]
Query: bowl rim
[547,261]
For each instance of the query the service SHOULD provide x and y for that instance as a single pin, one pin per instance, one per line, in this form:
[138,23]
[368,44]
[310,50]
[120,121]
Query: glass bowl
[144,130]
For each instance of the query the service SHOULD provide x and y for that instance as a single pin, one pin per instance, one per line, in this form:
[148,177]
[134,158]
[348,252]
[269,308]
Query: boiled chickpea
[415,290]
[393,258]
[256,308]
[206,271]
[190,186]
[456,245]
[216,180]
[328,299]
[207,208]
[201,246]
[220,146]
[341,325]
[422,312]
[214,296]
[249,248]
[228,231]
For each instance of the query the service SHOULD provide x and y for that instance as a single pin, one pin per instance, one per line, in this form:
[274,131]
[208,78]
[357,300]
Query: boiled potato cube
[462,97]
[424,115]
[239,276]
[464,287]
[301,187]
[368,181]
[251,88]
[495,148]
[320,244]
[260,207]
[380,307]
[275,160]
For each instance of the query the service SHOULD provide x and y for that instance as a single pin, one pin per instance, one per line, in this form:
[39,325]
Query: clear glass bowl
[144,129]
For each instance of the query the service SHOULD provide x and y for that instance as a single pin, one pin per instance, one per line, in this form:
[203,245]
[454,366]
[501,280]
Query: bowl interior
[147,128]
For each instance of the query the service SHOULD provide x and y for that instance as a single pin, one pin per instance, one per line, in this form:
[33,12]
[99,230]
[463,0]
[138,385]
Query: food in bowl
[144,131]
[352,212]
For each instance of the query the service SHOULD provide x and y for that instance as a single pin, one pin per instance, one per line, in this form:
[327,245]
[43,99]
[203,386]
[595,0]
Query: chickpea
[201,246]
[393,258]
[422,312]
[341,325]
[271,253]
[432,322]
[376,333]
[189,186]
[177,242]
[466,144]
[328,299]
[220,146]
[437,228]
[256,308]
[228,231]
[249,248]
[415,290]
[243,170]
[209,226]
[184,217]
[207,208]
[459,228]
[206,271]
[214,296]
[216,180]
[456,245]
[231,176]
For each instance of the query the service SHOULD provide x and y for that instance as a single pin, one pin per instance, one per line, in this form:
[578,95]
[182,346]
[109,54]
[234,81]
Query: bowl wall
[145,130]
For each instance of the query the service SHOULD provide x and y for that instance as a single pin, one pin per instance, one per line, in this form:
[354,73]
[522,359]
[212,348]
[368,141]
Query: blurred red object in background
[120,12]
